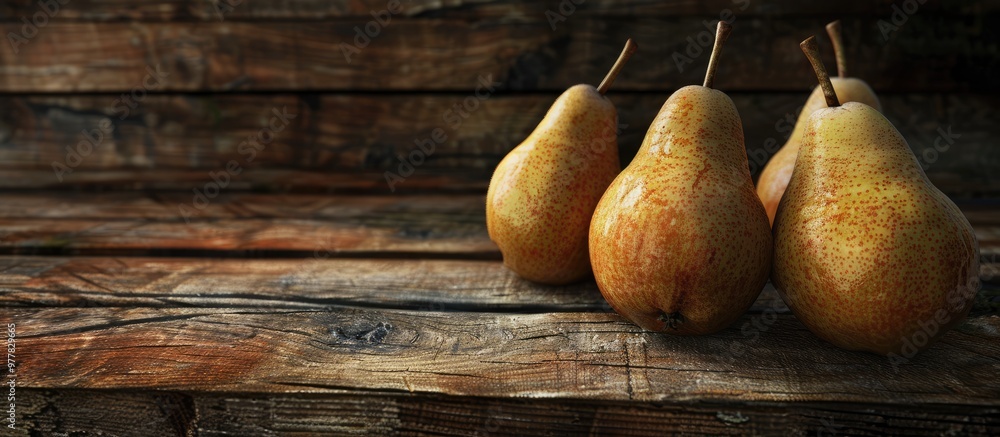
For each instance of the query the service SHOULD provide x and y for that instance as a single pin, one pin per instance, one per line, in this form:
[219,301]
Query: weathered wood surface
[305,225]
[77,412]
[366,414]
[135,223]
[928,52]
[337,133]
[959,185]
[347,312]
[322,282]
[395,346]
[272,180]
[181,10]
[423,326]
[565,355]
[317,283]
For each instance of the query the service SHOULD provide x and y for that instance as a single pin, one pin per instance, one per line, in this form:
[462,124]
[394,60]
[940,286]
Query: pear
[774,178]
[543,193]
[868,254]
[680,243]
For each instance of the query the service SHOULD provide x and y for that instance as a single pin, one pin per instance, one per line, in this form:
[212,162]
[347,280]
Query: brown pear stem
[811,49]
[627,52]
[722,32]
[836,35]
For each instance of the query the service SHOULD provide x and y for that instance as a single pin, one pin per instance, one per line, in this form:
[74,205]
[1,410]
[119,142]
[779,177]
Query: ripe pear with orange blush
[680,243]
[543,193]
[774,178]
[868,254]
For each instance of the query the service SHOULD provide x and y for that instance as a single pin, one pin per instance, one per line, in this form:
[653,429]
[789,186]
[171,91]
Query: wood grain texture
[309,283]
[372,414]
[181,10]
[317,283]
[333,226]
[340,310]
[929,52]
[565,355]
[446,415]
[320,282]
[259,181]
[957,184]
[336,133]
[136,223]
[94,412]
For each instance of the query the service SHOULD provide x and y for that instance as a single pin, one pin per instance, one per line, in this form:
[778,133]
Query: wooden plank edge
[366,413]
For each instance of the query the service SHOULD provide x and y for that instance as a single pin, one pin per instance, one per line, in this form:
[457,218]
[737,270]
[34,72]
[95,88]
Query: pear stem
[722,32]
[630,48]
[836,35]
[811,49]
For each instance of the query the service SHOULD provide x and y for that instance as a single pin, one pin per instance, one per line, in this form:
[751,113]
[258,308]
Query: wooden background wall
[228,63]
[121,305]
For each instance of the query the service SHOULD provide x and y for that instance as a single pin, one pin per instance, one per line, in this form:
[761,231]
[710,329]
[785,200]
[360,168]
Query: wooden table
[308,297]
[373,314]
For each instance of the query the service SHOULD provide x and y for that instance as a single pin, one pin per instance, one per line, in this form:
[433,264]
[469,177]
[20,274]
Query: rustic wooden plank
[369,132]
[956,184]
[565,355]
[316,282]
[531,417]
[321,282]
[458,210]
[331,225]
[175,10]
[372,414]
[259,180]
[301,224]
[296,225]
[450,54]
[446,415]
[104,413]
[429,285]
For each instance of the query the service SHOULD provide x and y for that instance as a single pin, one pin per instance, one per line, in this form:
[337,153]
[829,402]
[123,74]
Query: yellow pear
[680,243]
[774,178]
[868,254]
[543,193]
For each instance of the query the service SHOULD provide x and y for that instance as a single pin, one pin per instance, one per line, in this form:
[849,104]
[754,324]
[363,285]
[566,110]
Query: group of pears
[865,251]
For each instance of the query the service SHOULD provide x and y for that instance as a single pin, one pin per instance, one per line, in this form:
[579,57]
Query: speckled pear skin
[774,178]
[543,193]
[681,231]
[867,251]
